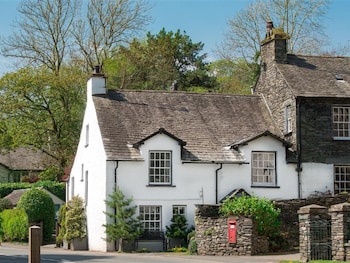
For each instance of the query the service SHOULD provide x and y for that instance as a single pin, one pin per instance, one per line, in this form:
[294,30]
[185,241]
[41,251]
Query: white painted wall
[89,175]
[316,178]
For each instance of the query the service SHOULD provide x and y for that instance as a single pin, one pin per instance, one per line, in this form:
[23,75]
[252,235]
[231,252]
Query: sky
[203,20]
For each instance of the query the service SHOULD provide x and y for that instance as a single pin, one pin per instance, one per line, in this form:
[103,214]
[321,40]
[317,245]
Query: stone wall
[212,234]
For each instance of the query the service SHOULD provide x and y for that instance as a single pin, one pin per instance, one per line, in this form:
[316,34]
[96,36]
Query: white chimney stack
[96,85]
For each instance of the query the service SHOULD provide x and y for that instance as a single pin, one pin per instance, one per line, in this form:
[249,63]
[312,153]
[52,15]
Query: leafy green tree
[43,110]
[261,209]
[39,208]
[159,62]
[125,226]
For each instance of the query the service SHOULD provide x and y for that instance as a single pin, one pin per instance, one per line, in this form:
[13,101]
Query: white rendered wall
[89,174]
[316,178]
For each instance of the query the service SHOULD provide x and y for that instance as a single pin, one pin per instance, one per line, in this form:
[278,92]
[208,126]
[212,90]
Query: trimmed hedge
[39,208]
[57,188]
[14,225]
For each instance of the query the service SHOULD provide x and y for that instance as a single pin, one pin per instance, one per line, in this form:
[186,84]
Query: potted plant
[75,224]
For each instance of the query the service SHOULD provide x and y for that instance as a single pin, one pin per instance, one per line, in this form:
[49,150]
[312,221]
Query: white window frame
[263,166]
[151,217]
[341,122]
[288,118]
[341,178]
[179,210]
[160,168]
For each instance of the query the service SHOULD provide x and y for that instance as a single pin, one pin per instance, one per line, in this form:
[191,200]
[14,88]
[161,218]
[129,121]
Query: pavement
[270,258]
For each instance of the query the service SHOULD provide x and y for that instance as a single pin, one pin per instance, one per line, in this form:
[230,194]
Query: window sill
[265,186]
[341,138]
[160,185]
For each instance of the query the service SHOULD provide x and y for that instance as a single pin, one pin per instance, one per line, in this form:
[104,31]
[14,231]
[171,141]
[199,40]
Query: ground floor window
[341,178]
[264,168]
[179,210]
[151,217]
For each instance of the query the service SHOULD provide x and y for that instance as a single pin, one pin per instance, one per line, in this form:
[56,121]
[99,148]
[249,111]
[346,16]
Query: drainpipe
[299,168]
[116,164]
[216,182]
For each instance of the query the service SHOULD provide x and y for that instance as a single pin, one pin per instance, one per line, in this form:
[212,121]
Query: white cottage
[172,150]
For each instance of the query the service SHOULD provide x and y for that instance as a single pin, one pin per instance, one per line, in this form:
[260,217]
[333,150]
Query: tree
[54,33]
[301,20]
[109,23]
[43,35]
[177,228]
[39,208]
[43,110]
[125,225]
[159,62]
[75,219]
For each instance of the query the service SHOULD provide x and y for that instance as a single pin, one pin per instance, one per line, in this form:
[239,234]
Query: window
[160,167]
[288,118]
[179,210]
[263,168]
[87,135]
[151,217]
[341,122]
[86,187]
[341,178]
[82,173]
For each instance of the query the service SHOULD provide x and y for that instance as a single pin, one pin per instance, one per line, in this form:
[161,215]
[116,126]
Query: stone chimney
[96,85]
[274,46]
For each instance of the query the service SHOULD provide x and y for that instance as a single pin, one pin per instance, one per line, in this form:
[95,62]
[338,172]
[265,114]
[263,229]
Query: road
[10,253]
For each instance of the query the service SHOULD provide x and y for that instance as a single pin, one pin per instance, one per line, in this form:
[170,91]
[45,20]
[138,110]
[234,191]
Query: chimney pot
[97,69]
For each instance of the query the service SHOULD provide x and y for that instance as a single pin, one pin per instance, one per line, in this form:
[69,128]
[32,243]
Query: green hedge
[57,188]
[39,208]
[14,226]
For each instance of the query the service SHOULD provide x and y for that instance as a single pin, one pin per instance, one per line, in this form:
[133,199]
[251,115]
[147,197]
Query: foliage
[125,225]
[56,188]
[192,247]
[75,219]
[177,228]
[162,61]
[52,173]
[39,208]
[7,188]
[14,225]
[61,220]
[5,204]
[261,209]
[43,110]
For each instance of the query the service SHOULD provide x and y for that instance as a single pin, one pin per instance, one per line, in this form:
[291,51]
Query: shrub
[261,209]
[39,208]
[75,219]
[57,188]
[61,220]
[5,204]
[7,188]
[14,225]
[177,228]
[52,173]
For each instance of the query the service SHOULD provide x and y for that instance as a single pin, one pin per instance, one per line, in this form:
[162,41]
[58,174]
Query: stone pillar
[340,214]
[307,215]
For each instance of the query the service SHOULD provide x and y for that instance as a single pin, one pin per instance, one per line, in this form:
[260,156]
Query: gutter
[216,182]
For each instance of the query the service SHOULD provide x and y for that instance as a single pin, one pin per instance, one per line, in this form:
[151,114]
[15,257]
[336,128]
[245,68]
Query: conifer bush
[14,225]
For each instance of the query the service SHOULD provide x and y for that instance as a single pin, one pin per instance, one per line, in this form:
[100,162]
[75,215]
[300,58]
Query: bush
[61,220]
[39,208]
[52,173]
[75,219]
[7,188]
[57,188]
[261,209]
[14,225]
[5,204]
[177,228]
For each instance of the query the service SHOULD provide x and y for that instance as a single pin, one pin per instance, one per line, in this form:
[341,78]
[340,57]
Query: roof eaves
[258,135]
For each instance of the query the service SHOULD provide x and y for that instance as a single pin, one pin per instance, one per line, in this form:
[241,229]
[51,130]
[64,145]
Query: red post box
[232,230]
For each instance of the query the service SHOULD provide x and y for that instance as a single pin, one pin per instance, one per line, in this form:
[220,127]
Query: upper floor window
[288,119]
[341,178]
[341,122]
[263,168]
[160,167]
[87,135]
[151,217]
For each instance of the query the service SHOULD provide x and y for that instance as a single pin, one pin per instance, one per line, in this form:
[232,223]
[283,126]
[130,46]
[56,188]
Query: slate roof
[205,125]
[313,76]
[25,159]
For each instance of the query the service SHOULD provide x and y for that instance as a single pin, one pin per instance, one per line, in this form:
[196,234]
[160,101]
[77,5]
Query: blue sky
[203,20]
